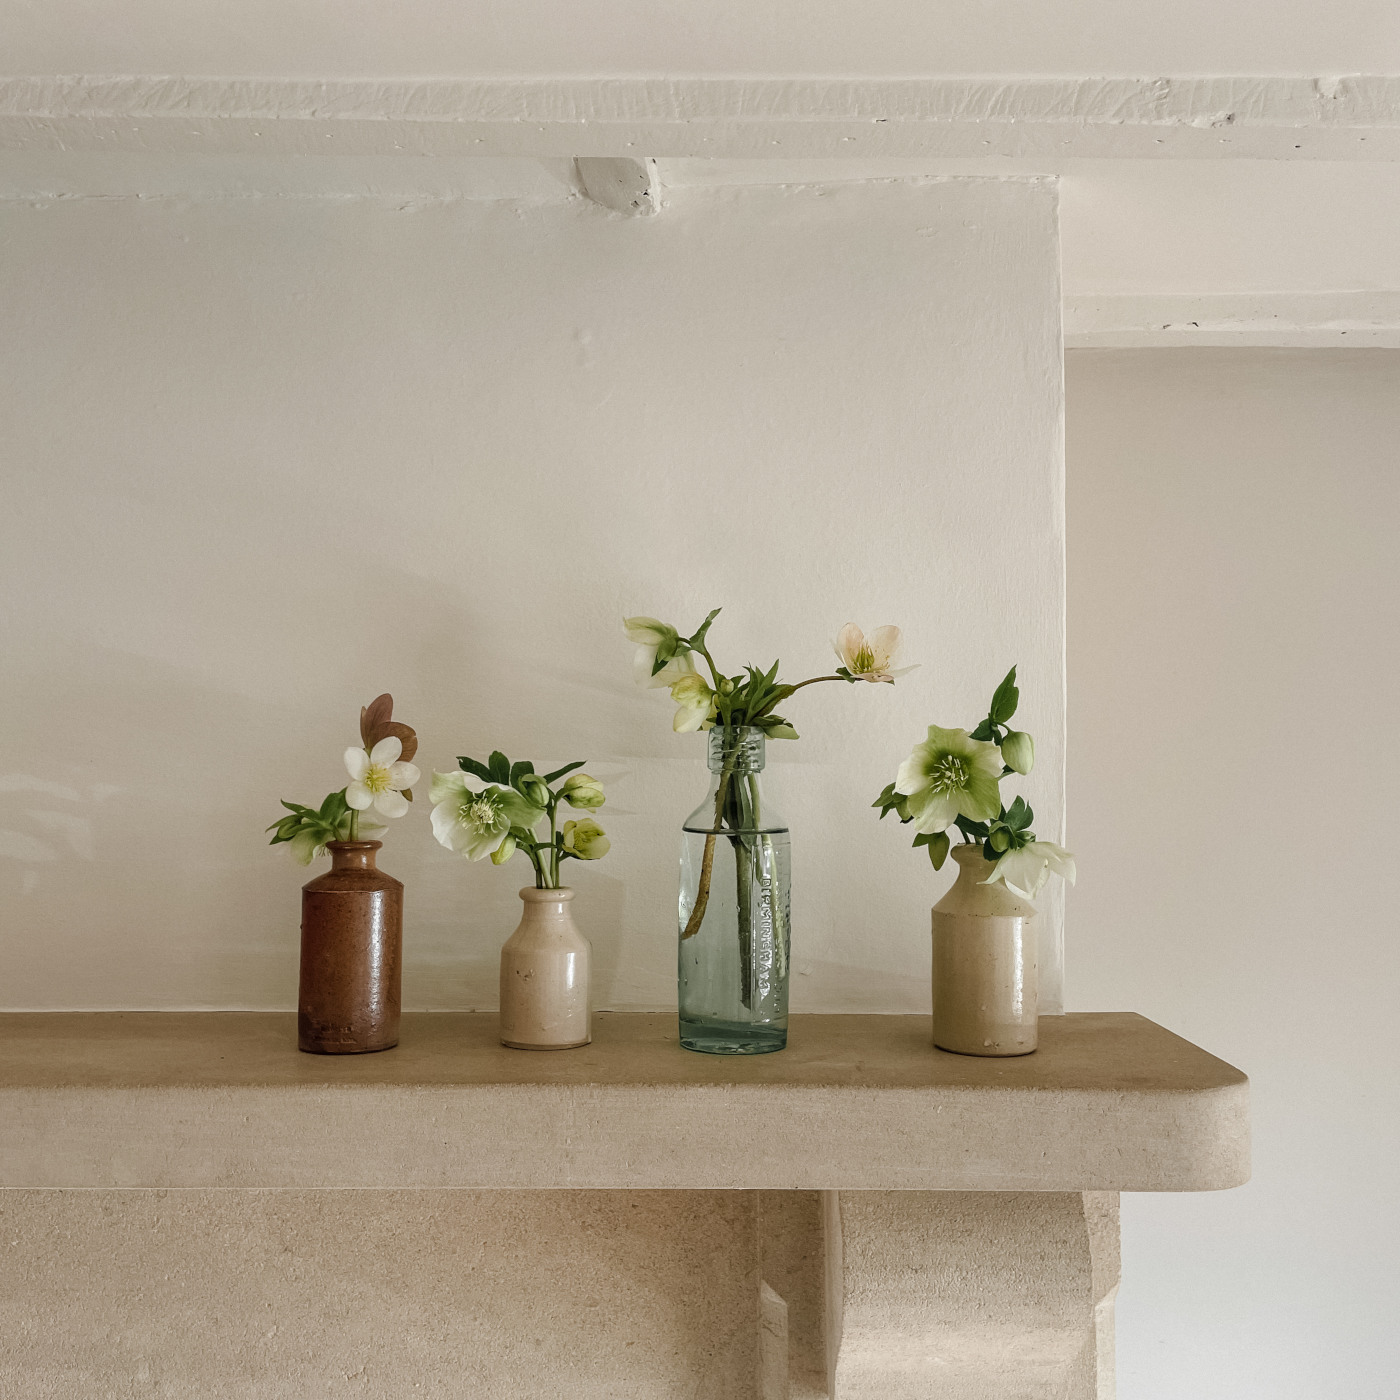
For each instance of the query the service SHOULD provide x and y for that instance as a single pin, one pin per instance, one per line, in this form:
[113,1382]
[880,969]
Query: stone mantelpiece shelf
[1111,1102]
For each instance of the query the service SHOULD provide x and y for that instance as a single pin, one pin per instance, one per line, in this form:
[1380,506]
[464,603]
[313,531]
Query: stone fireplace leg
[970,1295]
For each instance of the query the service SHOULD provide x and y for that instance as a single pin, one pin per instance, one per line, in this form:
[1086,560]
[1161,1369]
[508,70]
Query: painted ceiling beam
[1317,118]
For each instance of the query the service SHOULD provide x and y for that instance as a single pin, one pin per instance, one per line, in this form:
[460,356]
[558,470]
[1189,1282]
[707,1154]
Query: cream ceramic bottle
[545,968]
[985,984]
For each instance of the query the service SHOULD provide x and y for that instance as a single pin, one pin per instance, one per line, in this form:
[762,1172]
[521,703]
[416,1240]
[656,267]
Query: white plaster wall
[265,457]
[418,38]
[1234,607]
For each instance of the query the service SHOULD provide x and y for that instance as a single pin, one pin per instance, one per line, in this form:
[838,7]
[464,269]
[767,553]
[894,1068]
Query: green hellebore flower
[477,824]
[581,791]
[950,775]
[1018,751]
[696,703]
[585,839]
[306,845]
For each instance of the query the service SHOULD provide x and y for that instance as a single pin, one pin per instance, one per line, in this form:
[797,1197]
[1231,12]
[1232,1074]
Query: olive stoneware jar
[545,976]
[985,975]
[351,955]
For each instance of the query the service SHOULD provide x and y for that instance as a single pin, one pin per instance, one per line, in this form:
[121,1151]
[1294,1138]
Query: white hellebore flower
[649,634]
[1024,871]
[870,658]
[477,824]
[377,778]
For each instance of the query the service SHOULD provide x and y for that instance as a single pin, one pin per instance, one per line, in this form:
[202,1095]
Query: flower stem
[707,861]
[354,825]
[815,680]
[743,895]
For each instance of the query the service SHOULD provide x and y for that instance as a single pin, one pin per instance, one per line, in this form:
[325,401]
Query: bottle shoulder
[701,829]
[701,822]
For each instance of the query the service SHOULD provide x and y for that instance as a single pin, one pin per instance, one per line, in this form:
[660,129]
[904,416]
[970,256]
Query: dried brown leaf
[401,732]
[378,712]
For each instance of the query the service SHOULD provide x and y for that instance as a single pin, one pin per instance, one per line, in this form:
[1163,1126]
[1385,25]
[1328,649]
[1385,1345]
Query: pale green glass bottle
[732,963]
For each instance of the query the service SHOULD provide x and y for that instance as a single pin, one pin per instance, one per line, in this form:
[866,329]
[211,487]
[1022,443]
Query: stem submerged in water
[743,902]
[707,862]
[738,803]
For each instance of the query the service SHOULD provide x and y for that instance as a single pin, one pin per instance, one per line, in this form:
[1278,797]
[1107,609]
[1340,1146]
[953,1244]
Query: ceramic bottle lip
[353,855]
[968,853]
[533,895]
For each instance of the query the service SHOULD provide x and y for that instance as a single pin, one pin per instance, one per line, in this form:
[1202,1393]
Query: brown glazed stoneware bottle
[351,955]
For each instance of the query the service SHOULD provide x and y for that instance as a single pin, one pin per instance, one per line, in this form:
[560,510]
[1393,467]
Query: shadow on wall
[137,872]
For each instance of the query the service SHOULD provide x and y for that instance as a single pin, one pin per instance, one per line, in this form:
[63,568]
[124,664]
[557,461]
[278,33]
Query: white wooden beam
[1355,319]
[1349,118]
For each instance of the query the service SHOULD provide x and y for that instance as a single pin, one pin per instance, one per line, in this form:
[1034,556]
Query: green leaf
[1005,700]
[698,639]
[476,769]
[1018,816]
[519,770]
[984,732]
[889,801]
[938,849]
[567,768]
[499,767]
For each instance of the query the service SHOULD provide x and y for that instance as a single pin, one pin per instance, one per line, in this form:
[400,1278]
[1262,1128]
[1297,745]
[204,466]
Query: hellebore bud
[580,790]
[1018,751]
[535,788]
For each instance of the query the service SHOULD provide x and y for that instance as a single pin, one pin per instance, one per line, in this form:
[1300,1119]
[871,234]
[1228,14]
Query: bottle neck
[736,800]
[973,866]
[353,855]
[740,751]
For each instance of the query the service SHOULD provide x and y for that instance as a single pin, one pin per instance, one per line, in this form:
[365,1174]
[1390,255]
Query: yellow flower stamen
[377,778]
[481,813]
[948,774]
